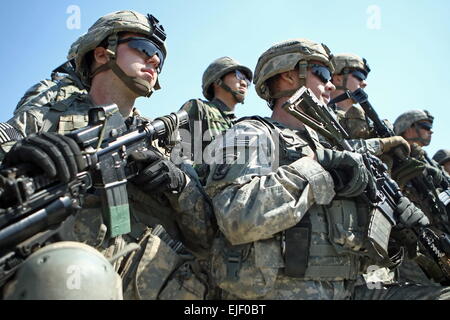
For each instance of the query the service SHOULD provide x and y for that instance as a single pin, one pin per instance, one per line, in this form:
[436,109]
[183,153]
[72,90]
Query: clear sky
[405,42]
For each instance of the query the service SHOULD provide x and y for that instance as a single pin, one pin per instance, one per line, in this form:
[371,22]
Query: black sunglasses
[145,46]
[358,74]
[322,72]
[424,125]
[241,76]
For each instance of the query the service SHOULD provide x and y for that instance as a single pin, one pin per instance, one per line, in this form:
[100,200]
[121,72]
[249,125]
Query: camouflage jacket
[28,116]
[263,182]
[207,119]
[181,214]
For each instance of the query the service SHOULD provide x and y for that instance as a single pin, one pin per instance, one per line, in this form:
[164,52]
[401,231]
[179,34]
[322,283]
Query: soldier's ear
[289,76]
[100,55]
[337,79]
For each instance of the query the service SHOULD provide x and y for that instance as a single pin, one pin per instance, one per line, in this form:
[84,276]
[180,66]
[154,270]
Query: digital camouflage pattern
[364,140]
[347,60]
[284,56]
[257,196]
[187,208]
[408,118]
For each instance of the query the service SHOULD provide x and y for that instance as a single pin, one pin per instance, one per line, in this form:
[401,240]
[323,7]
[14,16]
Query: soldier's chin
[240,97]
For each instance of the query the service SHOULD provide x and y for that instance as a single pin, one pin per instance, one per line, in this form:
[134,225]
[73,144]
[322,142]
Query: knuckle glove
[410,215]
[348,171]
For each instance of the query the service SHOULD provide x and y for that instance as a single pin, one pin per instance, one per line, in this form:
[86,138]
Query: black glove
[56,155]
[156,173]
[435,173]
[410,215]
[348,170]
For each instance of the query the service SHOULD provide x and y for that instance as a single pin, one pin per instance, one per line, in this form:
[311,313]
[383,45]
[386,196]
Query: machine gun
[34,208]
[304,106]
[409,171]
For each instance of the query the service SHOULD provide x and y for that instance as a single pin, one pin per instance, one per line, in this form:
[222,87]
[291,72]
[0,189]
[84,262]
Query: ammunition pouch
[296,245]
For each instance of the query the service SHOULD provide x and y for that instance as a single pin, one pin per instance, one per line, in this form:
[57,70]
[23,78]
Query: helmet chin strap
[344,96]
[302,75]
[239,97]
[137,85]
[419,138]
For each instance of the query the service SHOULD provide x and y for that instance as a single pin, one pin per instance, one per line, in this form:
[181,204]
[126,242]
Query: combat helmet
[216,70]
[105,30]
[408,118]
[442,156]
[346,63]
[284,56]
[66,270]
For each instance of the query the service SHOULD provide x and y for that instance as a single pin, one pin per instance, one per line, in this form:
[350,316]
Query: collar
[219,104]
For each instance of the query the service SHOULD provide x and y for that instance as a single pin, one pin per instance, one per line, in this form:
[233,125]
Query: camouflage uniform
[208,119]
[403,122]
[159,269]
[409,272]
[265,185]
[365,139]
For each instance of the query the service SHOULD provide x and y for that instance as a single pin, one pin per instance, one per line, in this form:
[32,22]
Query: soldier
[224,84]
[416,127]
[119,59]
[351,74]
[442,157]
[286,231]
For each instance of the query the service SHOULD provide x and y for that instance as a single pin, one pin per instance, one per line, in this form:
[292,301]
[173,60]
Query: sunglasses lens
[359,75]
[241,76]
[425,125]
[322,72]
[147,47]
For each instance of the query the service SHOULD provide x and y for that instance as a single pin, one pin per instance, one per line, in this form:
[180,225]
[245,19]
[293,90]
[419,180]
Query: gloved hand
[348,165]
[56,155]
[391,142]
[156,173]
[410,215]
[435,173]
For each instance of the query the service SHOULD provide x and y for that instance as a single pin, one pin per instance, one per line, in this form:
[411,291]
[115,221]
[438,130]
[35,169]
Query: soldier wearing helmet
[351,74]
[118,60]
[442,157]
[224,84]
[415,126]
[275,200]
[66,271]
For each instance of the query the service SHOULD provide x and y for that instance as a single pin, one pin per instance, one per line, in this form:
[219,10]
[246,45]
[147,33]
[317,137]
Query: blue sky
[405,42]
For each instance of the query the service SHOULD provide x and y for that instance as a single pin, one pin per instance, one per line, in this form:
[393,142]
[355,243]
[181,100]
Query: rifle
[304,106]
[33,209]
[409,170]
